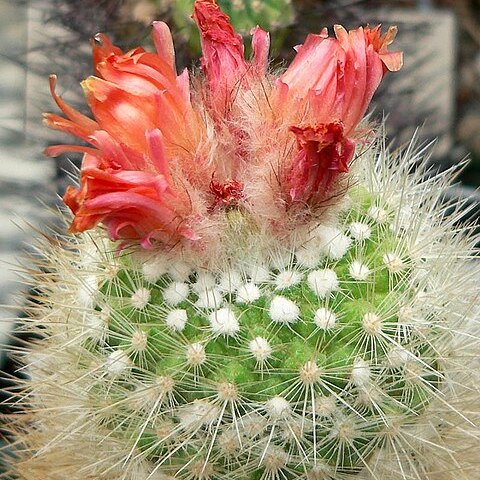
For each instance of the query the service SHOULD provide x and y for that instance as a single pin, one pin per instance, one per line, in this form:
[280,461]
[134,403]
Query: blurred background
[438,89]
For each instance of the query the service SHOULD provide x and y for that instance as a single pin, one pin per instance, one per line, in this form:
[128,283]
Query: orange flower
[144,124]
[134,204]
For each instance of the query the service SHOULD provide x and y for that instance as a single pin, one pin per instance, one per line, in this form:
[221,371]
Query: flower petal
[323,153]
[123,115]
[223,56]
[334,79]
[162,39]
[260,47]
[85,123]
[102,48]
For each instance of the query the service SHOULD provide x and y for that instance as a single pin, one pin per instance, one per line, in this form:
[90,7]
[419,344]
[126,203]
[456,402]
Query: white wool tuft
[154,268]
[198,413]
[278,408]
[378,214]
[230,281]
[258,273]
[205,281]
[360,231]
[87,291]
[140,298]
[260,349]
[309,255]
[310,373]
[325,405]
[274,459]
[287,278]
[224,322]
[175,293]
[321,471]
[360,373]
[325,318]
[196,354]
[117,363]
[281,260]
[139,341]
[333,242]
[398,357]
[227,392]
[180,271]
[95,326]
[176,319]
[248,293]
[209,299]
[393,262]
[283,310]
[359,271]
[323,282]
[372,323]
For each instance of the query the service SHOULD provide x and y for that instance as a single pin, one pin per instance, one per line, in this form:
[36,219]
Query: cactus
[254,289]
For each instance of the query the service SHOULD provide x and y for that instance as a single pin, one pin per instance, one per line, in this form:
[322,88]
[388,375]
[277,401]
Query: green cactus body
[306,362]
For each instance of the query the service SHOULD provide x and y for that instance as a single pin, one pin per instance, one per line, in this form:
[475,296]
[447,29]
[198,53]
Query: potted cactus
[253,286]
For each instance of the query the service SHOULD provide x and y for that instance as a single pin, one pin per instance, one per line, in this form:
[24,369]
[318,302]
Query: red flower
[223,58]
[226,194]
[323,153]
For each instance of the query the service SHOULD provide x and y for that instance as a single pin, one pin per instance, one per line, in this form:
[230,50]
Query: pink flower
[223,58]
[335,78]
[163,166]
[329,85]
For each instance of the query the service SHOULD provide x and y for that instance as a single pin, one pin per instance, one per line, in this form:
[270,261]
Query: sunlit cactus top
[169,156]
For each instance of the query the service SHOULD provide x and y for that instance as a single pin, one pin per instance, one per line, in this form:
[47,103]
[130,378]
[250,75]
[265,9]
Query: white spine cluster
[333,242]
[283,310]
[287,278]
[154,268]
[360,231]
[260,349]
[177,319]
[325,318]
[87,291]
[359,271]
[117,363]
[209,299]
[323,282]
[176,293]
[140,298]
[224,322]
[230,281]
[378,214]
[248,293]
